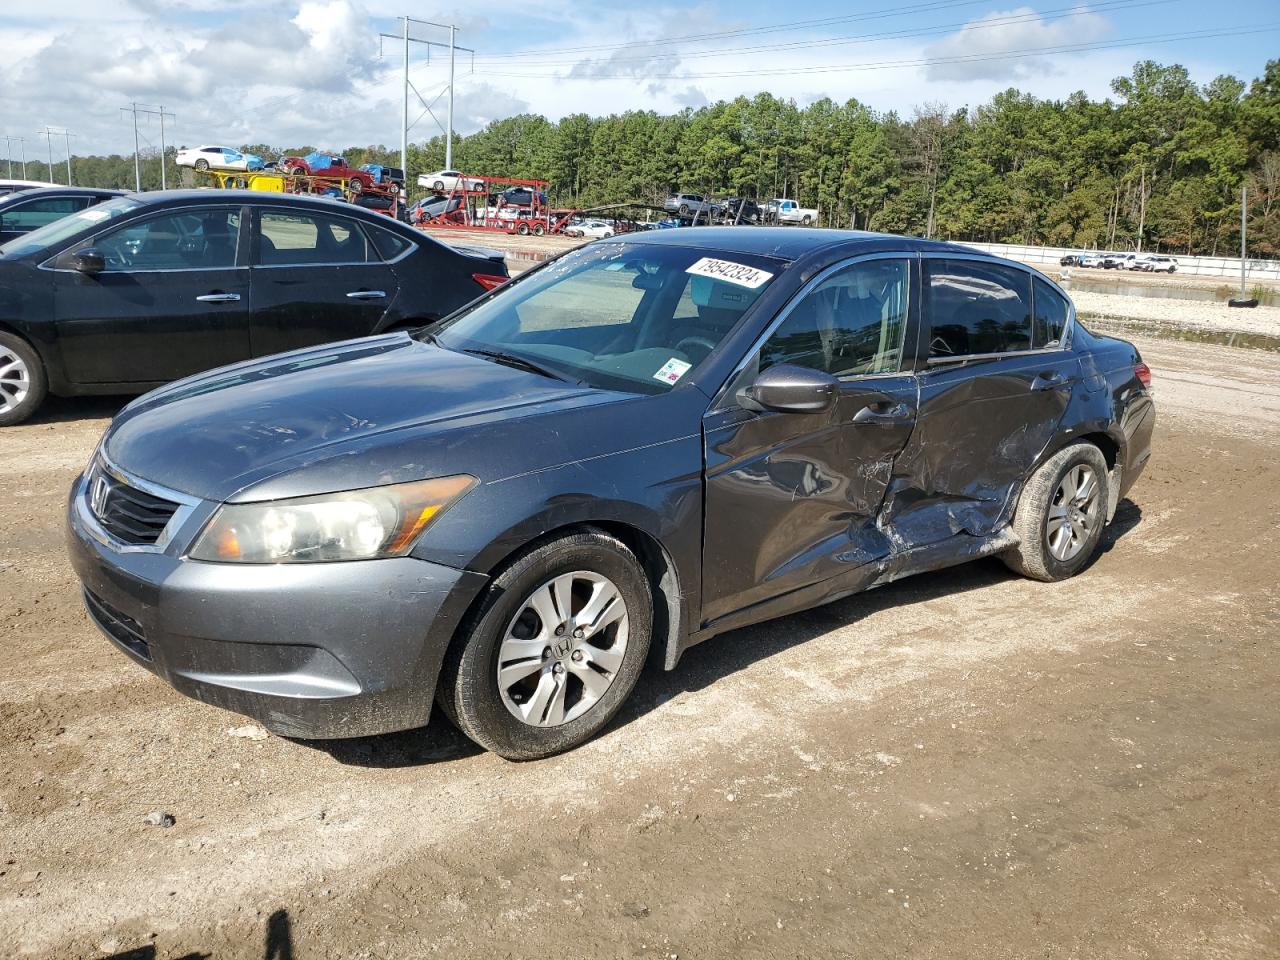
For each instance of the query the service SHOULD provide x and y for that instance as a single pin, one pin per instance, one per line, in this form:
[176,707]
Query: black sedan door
[791,498]
[172,300]
[315,279]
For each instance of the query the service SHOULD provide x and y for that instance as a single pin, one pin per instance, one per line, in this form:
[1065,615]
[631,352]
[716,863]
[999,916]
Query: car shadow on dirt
[717,658]
[70,409]
[279,944]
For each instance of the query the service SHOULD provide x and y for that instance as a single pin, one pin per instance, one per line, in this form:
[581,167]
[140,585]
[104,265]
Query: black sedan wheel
[553,651]
[22,380]
[1061,514]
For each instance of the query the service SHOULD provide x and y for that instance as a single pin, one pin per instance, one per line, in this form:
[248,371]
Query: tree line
[1157,166]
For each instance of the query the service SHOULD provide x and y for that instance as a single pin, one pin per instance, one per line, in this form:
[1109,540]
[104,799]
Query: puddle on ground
[1170,331]
[1126,287]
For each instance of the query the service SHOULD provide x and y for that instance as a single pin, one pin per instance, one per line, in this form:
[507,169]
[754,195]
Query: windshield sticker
[93,215]
[672,370]
[730,272]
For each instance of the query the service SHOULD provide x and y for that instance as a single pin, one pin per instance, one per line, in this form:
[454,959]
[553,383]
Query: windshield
[54,233]
[618,316]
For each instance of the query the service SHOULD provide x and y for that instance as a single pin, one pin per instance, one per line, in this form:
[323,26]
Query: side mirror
[88,261]
[787,388]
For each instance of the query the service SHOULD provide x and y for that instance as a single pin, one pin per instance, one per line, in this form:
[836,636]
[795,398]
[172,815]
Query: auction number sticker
[730,272]
[672,370]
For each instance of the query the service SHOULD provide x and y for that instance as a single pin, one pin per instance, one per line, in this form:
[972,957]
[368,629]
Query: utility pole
[405,125]
[147,110]
[1244,212]
[48,140]
[8,143]
[448,134]
[66,134]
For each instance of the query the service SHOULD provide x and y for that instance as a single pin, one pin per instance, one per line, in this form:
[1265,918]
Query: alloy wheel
[15,380]
[562,650]
[1073,514]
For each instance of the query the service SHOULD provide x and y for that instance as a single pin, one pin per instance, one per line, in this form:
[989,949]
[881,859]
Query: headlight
[357,525]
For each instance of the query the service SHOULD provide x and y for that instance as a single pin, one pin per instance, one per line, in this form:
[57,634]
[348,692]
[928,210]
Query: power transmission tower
[8,143]
[154,111]
[447,128]
[49,133]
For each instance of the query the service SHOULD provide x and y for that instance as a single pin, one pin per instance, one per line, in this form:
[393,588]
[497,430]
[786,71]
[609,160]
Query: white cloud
[1004,31]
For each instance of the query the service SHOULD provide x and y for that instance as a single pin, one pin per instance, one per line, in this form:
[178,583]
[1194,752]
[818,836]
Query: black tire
[438,186]
[202,165]
[38,381]
[468,689]
[1032,557]
[806,220]
[684,210]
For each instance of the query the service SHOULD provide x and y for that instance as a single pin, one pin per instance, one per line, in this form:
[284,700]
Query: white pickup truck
[788,211]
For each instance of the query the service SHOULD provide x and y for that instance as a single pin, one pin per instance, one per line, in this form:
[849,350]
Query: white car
[595,229]
[447,181]
[788,211]
[1090,260]
[1154,263]
[13,186]
[217,158]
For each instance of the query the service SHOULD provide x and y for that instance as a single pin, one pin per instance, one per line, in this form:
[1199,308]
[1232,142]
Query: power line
[404,116]
[1015,54]
[927,7]
[1074,10]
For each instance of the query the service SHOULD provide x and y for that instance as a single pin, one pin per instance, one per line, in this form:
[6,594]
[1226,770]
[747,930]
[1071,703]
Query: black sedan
[28,210]
[140,290]
[626,451]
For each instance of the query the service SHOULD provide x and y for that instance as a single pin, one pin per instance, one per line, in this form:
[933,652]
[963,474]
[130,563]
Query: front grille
[122,628]
[130,515]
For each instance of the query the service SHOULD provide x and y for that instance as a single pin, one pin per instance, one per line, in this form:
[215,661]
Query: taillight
[1143,373]
[489,280]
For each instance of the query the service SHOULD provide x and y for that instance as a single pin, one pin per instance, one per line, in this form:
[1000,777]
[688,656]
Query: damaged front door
[792,498]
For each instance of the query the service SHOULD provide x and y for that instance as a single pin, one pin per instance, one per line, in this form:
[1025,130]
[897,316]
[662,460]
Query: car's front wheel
[1061,514]
[22,380]
[202,164]
[554,649]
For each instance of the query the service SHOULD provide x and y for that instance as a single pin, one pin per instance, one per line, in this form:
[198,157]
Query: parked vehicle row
[143,289]
[1149,263]
[695,208]
[330,540]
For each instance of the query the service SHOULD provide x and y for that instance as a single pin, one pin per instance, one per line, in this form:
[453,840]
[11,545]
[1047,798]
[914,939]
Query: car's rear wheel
[1061,514]
[23,383]
[554,649]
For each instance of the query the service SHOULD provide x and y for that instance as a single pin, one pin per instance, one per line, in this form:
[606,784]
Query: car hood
[339,417]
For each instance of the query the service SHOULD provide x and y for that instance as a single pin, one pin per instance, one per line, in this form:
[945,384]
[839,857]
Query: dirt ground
[963,764]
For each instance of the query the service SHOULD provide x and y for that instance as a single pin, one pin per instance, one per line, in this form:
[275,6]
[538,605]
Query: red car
[328,165]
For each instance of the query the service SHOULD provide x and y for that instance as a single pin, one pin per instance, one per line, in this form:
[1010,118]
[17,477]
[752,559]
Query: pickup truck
[788,211]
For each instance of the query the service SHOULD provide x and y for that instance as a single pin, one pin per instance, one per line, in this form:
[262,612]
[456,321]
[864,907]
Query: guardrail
[1226,267]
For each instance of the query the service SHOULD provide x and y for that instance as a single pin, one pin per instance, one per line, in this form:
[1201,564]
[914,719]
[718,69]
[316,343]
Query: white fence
[1226,267]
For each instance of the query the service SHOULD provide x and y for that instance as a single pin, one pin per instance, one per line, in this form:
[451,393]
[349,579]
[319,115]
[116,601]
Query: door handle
[219,298]
[1048,381]
[367,294]
[895,414]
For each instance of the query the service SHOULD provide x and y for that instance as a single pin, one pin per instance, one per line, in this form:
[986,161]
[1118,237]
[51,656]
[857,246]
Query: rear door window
[976,308]
[288,238]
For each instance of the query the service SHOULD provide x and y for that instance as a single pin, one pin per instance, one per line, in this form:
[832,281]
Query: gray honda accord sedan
[637,446]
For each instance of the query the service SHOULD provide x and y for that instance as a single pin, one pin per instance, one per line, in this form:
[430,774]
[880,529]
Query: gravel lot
[961,764]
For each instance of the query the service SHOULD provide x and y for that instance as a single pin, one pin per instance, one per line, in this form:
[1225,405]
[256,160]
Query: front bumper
[314,651]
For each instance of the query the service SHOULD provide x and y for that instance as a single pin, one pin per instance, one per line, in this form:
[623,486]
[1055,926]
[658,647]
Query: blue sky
[295,71]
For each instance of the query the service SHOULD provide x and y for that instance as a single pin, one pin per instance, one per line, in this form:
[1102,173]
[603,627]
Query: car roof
[790,243]
[61,192]
[159,197]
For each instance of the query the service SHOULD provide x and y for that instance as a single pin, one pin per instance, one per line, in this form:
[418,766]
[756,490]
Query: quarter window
[309,239]
[976,308]
[1051,316]
[388,245]
[191,240]
[851,324]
